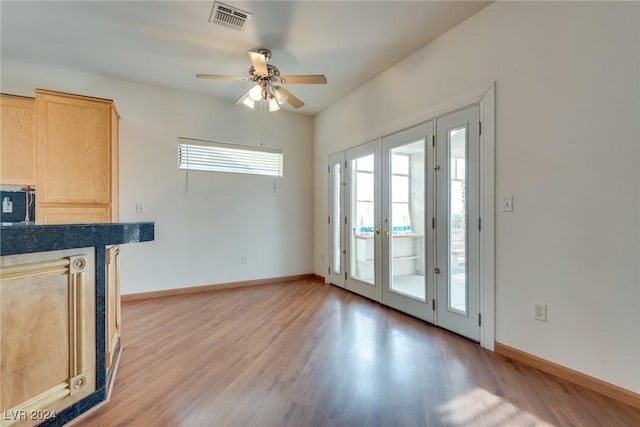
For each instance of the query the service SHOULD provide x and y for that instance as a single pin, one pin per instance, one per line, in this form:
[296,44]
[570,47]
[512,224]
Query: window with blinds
[196,154]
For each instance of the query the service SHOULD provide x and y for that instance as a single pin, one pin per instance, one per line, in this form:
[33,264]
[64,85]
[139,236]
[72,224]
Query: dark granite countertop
[29,238]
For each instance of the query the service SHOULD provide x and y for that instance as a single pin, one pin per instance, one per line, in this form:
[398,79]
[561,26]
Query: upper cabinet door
[74,152]
[17,143]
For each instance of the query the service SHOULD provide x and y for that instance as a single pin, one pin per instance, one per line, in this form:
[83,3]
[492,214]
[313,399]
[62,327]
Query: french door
[457,240]
[337,220]
[404,221]
[363,224]
[407,192]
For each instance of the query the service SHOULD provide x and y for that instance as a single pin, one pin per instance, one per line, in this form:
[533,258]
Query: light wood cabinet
[17,143]
[76,158]
[70,214]
[113,310]
[47,351]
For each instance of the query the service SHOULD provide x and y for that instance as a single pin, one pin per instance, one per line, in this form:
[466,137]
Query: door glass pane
[457,242]
[337,223]
[407,222]
[365,163]
[362,219]
[400,188]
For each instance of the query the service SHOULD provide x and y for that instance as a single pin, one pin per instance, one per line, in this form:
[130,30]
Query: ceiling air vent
[228,16]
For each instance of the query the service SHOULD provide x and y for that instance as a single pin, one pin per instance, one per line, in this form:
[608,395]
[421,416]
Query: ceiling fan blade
[291,99]
[319,79]
[221,77]
[259,62]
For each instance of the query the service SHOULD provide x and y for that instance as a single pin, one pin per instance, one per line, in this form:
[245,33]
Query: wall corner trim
[319,277]
[594,384]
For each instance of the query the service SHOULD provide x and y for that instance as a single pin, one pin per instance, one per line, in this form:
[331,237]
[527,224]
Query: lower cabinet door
[112,270]
[47,350]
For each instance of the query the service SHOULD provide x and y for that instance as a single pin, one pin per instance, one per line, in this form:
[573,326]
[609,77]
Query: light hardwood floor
[308,354]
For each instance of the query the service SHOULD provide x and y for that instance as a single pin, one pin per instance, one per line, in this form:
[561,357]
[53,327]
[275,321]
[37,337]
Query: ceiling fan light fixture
[256,92]
[248,102]
[273,104]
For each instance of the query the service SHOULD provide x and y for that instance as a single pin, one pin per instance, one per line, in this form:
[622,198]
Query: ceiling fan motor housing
[272,76]
[265,81]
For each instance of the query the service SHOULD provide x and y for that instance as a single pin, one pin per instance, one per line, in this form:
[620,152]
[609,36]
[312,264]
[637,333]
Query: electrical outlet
[243,260]
[139,208]
[540,312]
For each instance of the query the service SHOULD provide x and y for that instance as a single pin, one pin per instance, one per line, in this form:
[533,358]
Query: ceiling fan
[266,78]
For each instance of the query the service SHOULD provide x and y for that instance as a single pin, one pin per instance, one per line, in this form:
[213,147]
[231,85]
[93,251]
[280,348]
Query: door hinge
[436,168]
[329,270]
[436,270]
[345,275]
[433,140]
[329,169]
[479,319]
[479,223]
[345,220]
[329,220]
[433,304]
[433,222]
[345,164]
[479,128]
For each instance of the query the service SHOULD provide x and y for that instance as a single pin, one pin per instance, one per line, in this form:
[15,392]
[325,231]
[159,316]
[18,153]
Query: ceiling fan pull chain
[263,113]
[186,180]
[186,186]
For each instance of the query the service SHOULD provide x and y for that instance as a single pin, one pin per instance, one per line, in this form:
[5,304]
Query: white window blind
[196,154]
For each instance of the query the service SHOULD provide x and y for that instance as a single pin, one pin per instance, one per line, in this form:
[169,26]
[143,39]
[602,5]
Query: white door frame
[487,213]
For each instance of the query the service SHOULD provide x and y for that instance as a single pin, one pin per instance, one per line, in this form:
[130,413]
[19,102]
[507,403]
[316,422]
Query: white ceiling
[167,42]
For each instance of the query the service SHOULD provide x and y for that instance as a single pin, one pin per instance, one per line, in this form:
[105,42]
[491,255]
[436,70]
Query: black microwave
[16,204]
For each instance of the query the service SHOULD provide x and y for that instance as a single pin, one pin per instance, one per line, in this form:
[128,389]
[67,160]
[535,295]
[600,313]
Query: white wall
[199,240]
[567,148]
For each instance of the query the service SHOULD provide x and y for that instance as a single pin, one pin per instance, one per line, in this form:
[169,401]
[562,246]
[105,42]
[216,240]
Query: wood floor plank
[308,354]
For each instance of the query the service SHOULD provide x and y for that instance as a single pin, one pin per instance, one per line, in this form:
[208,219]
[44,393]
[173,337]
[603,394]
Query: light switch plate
[507,204]
[139,208]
